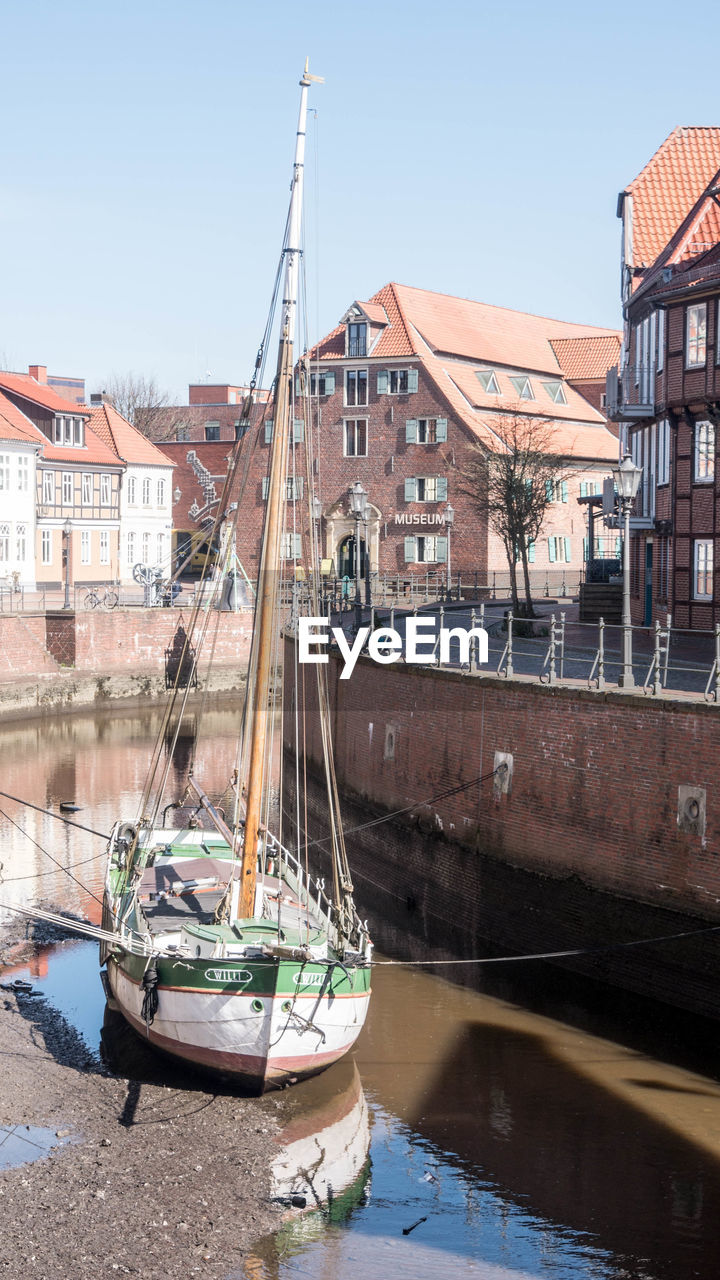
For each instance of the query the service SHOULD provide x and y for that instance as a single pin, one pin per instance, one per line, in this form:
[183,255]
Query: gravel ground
[157,1173]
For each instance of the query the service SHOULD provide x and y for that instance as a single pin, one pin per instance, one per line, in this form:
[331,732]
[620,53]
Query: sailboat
[219,947]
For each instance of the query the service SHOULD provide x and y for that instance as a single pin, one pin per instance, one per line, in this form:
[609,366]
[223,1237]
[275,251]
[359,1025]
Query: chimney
[38,372]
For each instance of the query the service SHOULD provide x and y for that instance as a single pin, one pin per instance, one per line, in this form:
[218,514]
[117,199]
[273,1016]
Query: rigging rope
[57,816]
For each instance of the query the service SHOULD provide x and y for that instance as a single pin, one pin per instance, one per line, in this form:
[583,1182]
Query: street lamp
[316,510]
[67,529]
[449,521]
[358,507]
[177,494]
[627,480]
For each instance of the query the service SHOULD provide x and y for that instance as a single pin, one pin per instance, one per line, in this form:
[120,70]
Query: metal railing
[630,392]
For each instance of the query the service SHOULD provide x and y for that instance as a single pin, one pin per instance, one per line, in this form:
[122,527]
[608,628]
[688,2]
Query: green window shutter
[531,551]
[265,487]
[618,547]
[583,488]
[548,490]
[297,385]
[409,550]
[585,549]
[411,431]
[551,550]
[440,429]
[298,545]
[268,430]
[329,384]
[564,490]
[382,382]
[298,430]
[441,550]
[412,379]
[410,489]
[567,549]
[441,489]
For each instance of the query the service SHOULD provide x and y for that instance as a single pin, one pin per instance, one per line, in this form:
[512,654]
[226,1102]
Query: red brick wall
[22,646]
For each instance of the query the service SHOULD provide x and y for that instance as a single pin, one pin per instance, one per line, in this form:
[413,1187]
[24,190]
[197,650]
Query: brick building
[399,392]
[666,391]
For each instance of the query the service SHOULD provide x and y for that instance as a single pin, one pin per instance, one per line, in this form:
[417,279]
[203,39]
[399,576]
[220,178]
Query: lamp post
[316,508]
[449,521]
[358,506]
[627,479]
[67,529]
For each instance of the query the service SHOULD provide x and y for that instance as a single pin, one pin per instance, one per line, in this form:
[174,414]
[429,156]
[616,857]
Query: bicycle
[107,600]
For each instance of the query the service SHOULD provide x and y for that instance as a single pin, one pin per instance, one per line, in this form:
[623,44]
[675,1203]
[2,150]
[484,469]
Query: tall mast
[265,609]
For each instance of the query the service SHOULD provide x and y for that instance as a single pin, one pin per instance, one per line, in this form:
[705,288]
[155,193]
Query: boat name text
[240,977]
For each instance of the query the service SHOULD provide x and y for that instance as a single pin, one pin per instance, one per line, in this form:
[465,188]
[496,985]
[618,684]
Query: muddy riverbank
[156,1172]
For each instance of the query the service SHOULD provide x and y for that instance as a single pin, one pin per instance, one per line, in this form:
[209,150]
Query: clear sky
[472,148]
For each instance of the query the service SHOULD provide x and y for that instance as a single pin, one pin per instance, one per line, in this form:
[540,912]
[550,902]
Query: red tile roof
[665,191]
[586,358]
[21,384]
[93,451]
[125,441]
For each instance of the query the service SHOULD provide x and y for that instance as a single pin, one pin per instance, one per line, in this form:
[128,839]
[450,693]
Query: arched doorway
[346,557]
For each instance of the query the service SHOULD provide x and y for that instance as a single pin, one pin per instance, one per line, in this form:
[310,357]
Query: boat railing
[311,889]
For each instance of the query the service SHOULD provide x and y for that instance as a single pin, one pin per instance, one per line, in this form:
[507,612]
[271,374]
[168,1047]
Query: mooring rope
[57,816]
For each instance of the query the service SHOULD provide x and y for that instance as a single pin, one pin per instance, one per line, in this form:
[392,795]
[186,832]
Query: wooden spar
[217,820]
[265,606]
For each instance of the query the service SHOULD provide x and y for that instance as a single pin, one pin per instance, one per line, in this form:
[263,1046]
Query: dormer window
[357,339]
[523,386]
[488,381]
[68,431]
[556,392]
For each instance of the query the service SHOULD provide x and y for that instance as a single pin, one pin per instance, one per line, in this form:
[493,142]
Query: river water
[504,1134]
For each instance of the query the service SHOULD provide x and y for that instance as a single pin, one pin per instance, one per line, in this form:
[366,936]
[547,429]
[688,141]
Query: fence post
[563,590]
[547,584]
[494,592]
[601,654]
[509,668]
[552,675]
[562,646]
[473,644]
[657,682]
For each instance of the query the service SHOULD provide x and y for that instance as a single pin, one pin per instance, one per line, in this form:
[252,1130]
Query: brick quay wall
[584,849]
[55,661]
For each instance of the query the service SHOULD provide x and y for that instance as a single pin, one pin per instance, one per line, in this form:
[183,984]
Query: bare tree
[513,487]
[140,400]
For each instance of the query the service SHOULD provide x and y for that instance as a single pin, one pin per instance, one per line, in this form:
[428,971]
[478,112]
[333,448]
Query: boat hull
[261,1022]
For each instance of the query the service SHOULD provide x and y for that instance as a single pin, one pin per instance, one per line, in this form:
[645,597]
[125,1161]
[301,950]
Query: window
[182,433]
[523,386]
[396,382]
[67,487]
[48,488]
[425,549]
[212,430]
[104,546]
[357,340]
[356,438]
[356,386]
[294,487]
[426,489]
[660,340]
[559,550]
[160,493]
[663,451]
[696,335]
[78,431]
[241,426]
[23,483]
[160,548]
[291,546]
[146,548]
[46,546]
[425,430]
[488,381]
[588,487]
[21,541]
[85,546]
[105,489]
[132,490]
[87,489]
[4,543]
[556,392]
[319,384]
[704,452]
[131,548]
[556,490]
[58,428]
[703,569]
[146,491]
[68,433]
[4,472]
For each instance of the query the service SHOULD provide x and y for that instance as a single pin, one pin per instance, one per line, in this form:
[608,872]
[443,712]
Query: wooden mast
[268,578]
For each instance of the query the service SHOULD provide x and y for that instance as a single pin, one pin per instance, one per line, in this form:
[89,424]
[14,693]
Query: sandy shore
[157,1173]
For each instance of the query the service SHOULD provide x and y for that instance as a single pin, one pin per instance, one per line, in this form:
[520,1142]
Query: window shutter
[297,539]
[411,431]
[440,429]
[551,550]
[564,490]
[329,384]
[297,385]
[265,487]
[412,379]
[441,549]
[531,551]
[585,550]
[441,489]
[298,430]
[618,547]
[410,551]
[548,490]
[583,488]
[410,489]
[382,382]
[268,430]
[567,549]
